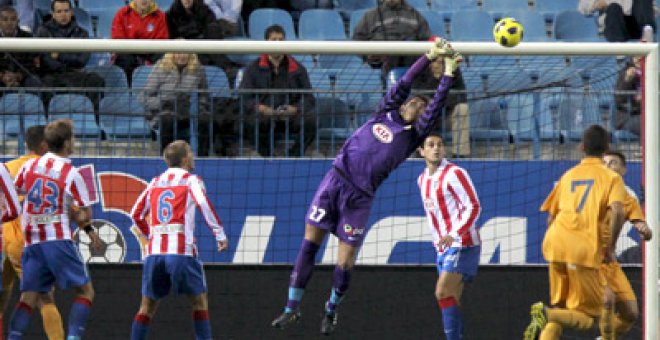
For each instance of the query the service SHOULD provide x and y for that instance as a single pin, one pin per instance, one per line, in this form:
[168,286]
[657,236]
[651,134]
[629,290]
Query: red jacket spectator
[129,24]
[141,19]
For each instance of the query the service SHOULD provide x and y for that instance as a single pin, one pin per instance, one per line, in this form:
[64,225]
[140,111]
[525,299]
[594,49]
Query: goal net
[515,127]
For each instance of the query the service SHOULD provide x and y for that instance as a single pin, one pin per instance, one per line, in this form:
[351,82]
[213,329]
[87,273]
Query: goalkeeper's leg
[341,279]
[302,272]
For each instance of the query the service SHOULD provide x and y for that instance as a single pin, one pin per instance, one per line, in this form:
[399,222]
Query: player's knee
[86,291]
[443,293]
[200,302]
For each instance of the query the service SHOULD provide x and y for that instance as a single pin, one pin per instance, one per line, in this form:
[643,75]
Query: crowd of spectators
[277,116]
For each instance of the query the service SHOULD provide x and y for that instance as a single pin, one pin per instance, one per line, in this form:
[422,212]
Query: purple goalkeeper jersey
[376,148]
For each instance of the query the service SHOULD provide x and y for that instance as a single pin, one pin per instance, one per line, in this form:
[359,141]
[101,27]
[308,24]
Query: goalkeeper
[343,200]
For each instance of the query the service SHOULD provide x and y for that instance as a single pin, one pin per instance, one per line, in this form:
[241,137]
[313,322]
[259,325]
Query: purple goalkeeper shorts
[341,209]
[52,262]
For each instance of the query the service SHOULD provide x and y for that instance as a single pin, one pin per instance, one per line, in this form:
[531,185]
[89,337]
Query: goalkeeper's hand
[452,61]
[439,48]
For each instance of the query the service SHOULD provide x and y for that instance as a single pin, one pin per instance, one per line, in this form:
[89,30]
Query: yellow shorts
[577,287]
[618,282]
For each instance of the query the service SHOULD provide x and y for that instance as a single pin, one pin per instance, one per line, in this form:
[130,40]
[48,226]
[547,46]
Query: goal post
[651,140]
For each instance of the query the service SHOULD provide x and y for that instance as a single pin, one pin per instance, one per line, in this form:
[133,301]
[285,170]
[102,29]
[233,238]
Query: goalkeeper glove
[451,62]
[438,49]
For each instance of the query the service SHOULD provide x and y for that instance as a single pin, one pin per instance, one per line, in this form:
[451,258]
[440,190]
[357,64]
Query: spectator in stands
[628,106]
[455,104]
[16,69]
[273,111]
[621,20]
[392,20]
[66,69]
[140,19]
[226,13]
[24,10]
[169,96]
[193,19]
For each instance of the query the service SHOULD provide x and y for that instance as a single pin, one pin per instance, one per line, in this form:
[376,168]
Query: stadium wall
[385,302]
[262,204]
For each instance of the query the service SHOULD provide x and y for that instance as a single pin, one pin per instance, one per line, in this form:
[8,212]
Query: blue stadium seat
[262,18]
[436,22]
[418,4]
[140,76]
[99,59]
[302,5]
[321,24]
[360,86]
[573,26]
[352,5]
[355,18]
[533,25]
[577,111]
[79,109]
[323,80]
[334,119]
[15,107]
[122,116]
[217,82]
[496,8]
[164,5]
[103,19]
[91,5]
[486,123]
[113,75]
[453,5]
[41,4]
[524,119]
[339,61]
[549,8]
[394,75]
[471,26]
[84,20]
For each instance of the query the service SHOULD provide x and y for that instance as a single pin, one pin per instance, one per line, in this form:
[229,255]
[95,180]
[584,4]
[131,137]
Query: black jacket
[66,61]
[9,61]
[189,26]
[259,75]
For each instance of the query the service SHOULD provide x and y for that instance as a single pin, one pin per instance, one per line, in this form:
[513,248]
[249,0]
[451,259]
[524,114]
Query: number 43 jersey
[171,200]
[579,203]
[49,183]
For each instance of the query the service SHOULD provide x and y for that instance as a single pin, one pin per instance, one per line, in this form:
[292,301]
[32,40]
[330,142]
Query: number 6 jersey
[171,199]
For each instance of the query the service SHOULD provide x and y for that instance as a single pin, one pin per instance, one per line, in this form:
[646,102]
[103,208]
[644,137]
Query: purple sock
[19,321]
[341,279]
[302,272]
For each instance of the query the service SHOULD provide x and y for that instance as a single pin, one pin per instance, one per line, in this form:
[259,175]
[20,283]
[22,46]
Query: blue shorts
[52,262]
[162,272]
[464,261]
[341,209]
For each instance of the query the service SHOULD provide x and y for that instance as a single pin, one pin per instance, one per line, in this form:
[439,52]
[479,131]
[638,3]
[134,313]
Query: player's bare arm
[643,229]
[616,223]
[222,245]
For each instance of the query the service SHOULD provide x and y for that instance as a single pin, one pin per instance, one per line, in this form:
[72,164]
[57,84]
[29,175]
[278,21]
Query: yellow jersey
[580,232]
[12,234]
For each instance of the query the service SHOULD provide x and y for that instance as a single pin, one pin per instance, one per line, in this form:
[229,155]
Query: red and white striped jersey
[49,183]
[12,205]
[451,204]
[171,199]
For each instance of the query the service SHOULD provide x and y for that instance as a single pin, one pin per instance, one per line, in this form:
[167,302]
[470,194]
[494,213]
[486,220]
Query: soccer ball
[113,249]
[508,32]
